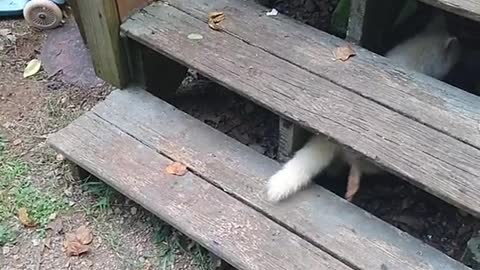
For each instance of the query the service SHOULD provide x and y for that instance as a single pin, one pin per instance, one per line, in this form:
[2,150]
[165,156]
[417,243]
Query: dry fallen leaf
[32,68]
[214,20]
[84,235]
[24,218]
[77,243]
[176,168]
[344,53]
[74,248]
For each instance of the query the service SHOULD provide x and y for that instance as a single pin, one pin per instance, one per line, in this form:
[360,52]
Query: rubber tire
[52,11]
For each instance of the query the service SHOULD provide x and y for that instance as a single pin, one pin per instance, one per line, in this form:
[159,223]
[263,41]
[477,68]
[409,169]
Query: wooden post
[152,71]
[100,23]
[370,20]
[78,19]
[291,138]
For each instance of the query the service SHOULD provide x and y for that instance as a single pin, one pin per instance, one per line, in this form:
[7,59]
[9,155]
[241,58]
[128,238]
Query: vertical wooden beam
[370,20]
[152,71]
[291,138]
[101,26]
[78,19]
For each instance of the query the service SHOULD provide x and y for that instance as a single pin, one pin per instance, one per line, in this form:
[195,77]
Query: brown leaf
[344,53]
[84,235]
[74,248]
[214,20]
[176,168]
[77,243]
[24,218]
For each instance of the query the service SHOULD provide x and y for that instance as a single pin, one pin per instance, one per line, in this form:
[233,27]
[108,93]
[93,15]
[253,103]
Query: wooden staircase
[419,128]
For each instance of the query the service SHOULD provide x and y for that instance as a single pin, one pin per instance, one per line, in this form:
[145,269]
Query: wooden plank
[127,7]
[420,97]
[328,221]
[426,157]
[100,23]
[239,234]
[465,8]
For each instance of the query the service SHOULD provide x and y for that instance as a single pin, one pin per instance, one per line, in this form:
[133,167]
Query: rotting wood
[429,101]
[100,23]
[430,159]
[237,233]
[316,214]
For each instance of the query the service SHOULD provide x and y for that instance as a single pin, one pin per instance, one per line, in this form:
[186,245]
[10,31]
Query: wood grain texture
[101,25]
[328,221]
[420,97]
[465,8]
[237,233]
[427,158]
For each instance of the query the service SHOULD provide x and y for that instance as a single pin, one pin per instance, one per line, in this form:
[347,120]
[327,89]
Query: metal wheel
[42,14]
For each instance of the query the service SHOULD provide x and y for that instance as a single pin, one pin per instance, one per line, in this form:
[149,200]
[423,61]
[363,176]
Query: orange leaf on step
[25,218]
[176,168]
[344,53]
[214,19]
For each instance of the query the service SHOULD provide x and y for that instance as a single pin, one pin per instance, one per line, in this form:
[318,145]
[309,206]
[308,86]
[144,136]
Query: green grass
[17,191]
[105,195]
[171,243]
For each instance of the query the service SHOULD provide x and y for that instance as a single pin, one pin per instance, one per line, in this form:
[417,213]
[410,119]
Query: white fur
[430,52]
[299,171]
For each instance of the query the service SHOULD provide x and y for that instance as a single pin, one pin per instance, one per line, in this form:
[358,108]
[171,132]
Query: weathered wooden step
[465,8]
[421,129]
[236,232]
[328,222]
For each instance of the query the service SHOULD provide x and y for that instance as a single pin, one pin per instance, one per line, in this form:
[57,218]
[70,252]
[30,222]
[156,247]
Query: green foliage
[104,194]
[17,191]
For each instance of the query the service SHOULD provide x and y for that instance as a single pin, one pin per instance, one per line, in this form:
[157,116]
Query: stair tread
[232,230]
[324,219]
[426,156]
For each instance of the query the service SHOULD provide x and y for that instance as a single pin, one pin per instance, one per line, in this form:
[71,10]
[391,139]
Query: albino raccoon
[432,52]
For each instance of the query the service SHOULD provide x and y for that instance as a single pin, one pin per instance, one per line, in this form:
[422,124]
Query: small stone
[68,192]
[6,250]
[52,216]
[17,142]
[35,242]
[117,211]
[8,125]
[133,211]
[60,157]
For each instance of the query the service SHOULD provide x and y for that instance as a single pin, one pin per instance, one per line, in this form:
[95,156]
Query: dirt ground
[35,178]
